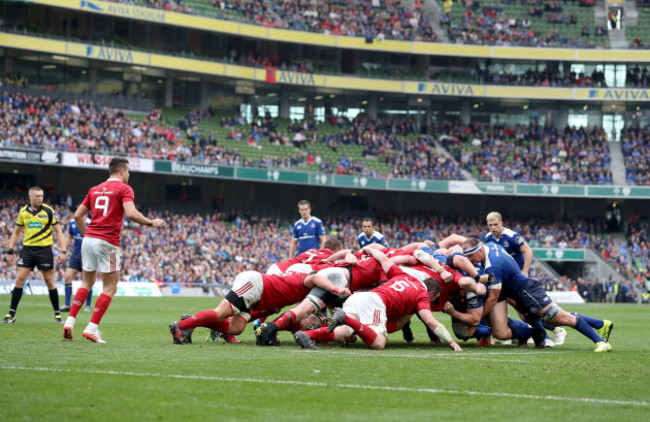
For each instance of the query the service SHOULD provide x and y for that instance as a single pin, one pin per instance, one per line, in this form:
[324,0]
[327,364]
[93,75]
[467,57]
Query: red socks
[287,319]
[79,299]
[320,334]
[365,333]
[200,319]
[103,301]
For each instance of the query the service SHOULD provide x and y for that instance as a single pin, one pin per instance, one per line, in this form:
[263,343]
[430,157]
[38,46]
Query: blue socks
[519,328]
[585,329]
[593,322]
[68,294]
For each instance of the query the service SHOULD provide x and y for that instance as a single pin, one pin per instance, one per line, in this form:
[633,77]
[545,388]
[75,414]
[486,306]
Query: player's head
[119,167]
[473,250]
[368,226]
[333,244]
[304,208]
[495,223]
[35,197]
[433,287]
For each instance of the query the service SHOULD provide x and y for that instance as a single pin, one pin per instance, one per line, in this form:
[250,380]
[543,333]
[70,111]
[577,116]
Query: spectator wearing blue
[308,232]
[369,235]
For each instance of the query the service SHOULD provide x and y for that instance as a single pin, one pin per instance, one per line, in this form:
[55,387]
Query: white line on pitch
[491,356]
[324,384]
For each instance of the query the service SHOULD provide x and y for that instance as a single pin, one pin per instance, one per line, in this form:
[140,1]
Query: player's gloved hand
[446,276]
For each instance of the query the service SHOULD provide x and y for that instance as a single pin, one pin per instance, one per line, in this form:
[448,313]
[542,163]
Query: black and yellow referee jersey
[38,225]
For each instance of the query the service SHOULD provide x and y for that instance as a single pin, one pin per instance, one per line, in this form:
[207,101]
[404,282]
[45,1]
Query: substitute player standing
[37,220]
[308,232]
[74,265]
[100,250]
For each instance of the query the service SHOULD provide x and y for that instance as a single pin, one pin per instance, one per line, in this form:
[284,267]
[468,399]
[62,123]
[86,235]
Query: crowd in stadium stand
[205,249]
[546,78]
[529,154]
[636,150]
[385,19]
[390,19]
[525,154]
[490,24]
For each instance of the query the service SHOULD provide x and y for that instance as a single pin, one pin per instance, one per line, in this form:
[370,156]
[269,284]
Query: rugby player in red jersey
[100,250]
[253,291]
[366,313]
[305,261]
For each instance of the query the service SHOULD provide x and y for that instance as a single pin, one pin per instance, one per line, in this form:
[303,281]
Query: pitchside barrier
[38,287]
[125,288]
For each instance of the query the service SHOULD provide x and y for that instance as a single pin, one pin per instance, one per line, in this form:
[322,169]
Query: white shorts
[370,310]
[99,255]
[248,285]
[274,270]
[340,277]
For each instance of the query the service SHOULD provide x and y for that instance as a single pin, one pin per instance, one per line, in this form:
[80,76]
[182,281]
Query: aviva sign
[109,54]
[620,94]
[456,90]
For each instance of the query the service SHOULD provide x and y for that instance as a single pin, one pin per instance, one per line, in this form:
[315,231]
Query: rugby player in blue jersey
[531,298]
[369,235]
[74,264]
[308,232]
[513,242]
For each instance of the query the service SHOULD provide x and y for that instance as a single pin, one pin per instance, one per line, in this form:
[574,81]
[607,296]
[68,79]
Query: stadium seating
[529,154]
[529,23]
[636,149]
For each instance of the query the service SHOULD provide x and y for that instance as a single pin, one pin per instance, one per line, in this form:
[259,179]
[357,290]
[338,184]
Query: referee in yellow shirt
[37,220]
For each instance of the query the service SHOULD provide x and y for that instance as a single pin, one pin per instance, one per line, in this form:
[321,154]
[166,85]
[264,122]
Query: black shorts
[36,256]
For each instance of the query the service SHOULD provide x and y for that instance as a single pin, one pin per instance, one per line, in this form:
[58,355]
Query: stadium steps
[604,268]
[617,163]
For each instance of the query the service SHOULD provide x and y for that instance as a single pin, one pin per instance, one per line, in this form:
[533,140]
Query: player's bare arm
[381,257]
[491,300]
[80,217]
[438,329]
[10,252]
[470,285]
[293,245]
[451,240]
[62,243]
[430,262]
[325,284]
[528,258]
[133,214]
[471,317]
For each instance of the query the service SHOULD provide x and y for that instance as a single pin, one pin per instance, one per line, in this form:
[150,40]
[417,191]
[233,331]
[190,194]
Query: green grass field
[140,375]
